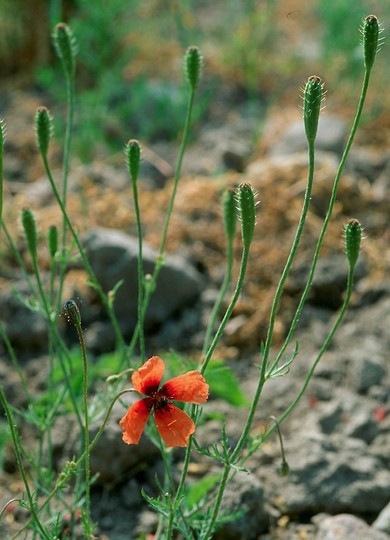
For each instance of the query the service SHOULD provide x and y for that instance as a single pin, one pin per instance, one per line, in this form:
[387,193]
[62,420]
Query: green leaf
[198,490]
[224,384]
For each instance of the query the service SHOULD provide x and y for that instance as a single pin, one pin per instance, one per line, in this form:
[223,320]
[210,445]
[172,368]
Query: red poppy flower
[174,425]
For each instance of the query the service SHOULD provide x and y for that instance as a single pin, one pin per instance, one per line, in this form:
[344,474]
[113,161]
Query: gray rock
[331,135]
[244,494]
[329,474]
[382,522]
[113,256]
[329,282]
[346,526]
[111,458]
[367,368]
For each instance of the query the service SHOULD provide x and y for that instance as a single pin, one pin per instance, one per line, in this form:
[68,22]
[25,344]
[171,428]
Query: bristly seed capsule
[312,102]
[246,204]
[352,236]
[370,30]
[133,158]
[193,65]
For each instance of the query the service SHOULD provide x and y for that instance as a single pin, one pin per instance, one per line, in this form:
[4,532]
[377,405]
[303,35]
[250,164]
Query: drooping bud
[352,237]
[229,213]
[312,103]
[133,158]
[245,199]
[43,127]
[193,65]
[370,31]
[66,48]
[52,240]
[72,313]
[30,231]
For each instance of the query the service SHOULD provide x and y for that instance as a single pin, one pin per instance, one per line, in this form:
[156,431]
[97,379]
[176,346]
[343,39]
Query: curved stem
[160,256]
[328,215]
[18,456]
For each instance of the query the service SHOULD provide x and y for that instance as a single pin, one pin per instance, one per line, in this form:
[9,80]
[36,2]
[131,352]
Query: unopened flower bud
[352,236]
[52,240]
[245,199]
[30,231]
[312,102]
[72,313]
[370,30]
[65,45]
[43,127]
[193,65]
[133,158]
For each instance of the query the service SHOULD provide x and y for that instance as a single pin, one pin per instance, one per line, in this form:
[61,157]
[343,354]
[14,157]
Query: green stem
[160,256]
[324,347]
[229,311]
[327,217]
[84,258]
[141,279]
[287,268]
[222,293]
[32,505]
[70,93]
[62,481]
[86,431]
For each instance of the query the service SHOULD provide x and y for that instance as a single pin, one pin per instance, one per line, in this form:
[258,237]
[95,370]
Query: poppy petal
[190,387]
[174,425]
[148,378]
[134,421]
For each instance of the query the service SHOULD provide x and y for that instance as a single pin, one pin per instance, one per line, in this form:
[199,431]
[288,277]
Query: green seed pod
[229,213]
[370,30]
[312,102]
[352,237]
[43,127]
[52,240]
[133,158]
[66,48]
[30,231]
[245,199]
[72,313]
[193,65]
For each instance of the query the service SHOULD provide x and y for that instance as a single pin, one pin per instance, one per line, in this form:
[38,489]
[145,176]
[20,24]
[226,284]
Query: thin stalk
[160,256]
[324,347]
[70,98]
[221,295]
[15,362]
[328,215]
[63,479]
[287,268]
[14,435]
[86,431]
[229,310]
[84,258]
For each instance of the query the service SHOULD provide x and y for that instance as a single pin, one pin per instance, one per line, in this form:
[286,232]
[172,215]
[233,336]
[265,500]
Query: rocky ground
[337,441]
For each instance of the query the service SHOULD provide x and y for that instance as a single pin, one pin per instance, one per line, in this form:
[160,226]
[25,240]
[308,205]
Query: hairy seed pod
[245,199]
[43,128]
[52,240]
[30,231]
[352,237]
[133,158]
[66,48]
[193,65]
[370,31]
[229,213]
[312,102]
